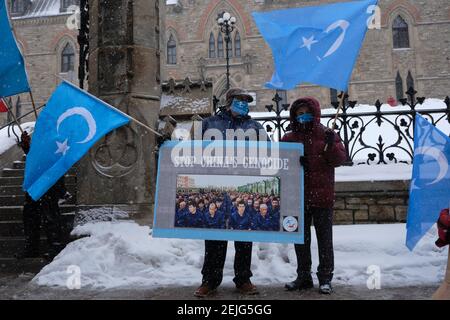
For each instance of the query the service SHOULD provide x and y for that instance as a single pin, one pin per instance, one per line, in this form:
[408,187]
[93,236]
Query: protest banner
[230,190]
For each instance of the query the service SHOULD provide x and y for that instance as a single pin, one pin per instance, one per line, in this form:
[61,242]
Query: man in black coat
[45,212]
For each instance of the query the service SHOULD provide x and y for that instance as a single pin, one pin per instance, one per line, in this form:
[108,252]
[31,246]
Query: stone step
[14,266]
[18,189]
[12,172]
[10,190]
[14,228]
[15,212]
[17,181]
[19,165]
[11,181]
[7,172]
[9,246]
[12,200]
[17,200]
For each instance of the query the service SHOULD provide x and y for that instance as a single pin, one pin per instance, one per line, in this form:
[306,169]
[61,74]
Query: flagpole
[112,107]
[33,104]
[133,119]
[12,115]
[341,105]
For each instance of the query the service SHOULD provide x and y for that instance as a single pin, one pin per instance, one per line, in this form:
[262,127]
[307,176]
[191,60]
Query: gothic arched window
[171,51]
[399,86]
[17,6]
[68,59]
[65,4]
[333,96]
[237,44]
[220,52]
[212,46]
[230,47]
[400,33]
[409,81]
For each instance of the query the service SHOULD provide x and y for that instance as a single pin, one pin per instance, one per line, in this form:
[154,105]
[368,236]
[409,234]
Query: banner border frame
[232,235]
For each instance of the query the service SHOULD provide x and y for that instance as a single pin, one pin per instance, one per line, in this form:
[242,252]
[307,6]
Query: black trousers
[215,254]
[46,212]
[323,223]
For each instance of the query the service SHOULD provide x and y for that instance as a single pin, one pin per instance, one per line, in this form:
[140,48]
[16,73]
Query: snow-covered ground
[7,142]
[123,254]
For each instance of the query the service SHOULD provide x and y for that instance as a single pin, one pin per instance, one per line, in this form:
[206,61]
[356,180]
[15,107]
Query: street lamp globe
[226,16]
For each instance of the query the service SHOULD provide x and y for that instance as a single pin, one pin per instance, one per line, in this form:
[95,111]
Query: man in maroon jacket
[324,151]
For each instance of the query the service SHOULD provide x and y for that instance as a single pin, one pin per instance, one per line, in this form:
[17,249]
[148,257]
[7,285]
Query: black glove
[304,162]
[329,138]
[25,141]
[161,139]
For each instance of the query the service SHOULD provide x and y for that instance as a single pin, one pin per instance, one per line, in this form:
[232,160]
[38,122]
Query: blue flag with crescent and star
[430,182]
[68,126]
[13,77]
[316,44]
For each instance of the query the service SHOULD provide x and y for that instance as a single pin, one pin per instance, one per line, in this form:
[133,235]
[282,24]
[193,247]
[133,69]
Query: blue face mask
[305,118]
[240,107]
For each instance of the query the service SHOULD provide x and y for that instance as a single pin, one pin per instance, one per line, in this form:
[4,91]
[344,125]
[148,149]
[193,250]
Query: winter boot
[301,283]
[247,288]
[326,288]
[204,291]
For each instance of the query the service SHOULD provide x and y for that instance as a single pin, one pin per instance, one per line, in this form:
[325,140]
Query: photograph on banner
[245,195]
[203,201]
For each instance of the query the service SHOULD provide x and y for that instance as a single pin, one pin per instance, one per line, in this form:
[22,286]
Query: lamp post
[227,24]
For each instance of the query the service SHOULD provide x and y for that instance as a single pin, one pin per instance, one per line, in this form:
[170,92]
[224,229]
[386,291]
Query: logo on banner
[290,224]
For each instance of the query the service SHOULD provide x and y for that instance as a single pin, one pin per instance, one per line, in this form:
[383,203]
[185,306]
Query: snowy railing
[377,134]
[11,125]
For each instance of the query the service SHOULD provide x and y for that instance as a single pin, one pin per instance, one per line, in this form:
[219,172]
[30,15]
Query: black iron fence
[373,135]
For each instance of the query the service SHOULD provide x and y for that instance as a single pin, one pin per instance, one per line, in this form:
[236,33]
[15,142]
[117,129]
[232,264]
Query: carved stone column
[124,70]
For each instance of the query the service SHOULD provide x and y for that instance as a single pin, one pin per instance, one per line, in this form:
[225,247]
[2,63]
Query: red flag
[3,107]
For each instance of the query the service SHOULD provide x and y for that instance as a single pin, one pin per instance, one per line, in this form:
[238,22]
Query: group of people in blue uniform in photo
[228,210]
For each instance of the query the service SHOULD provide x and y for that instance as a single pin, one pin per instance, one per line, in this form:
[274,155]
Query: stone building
[49,47]
[412,48]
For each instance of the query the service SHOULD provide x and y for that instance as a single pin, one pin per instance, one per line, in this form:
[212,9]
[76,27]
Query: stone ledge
[372,186]
[371,202]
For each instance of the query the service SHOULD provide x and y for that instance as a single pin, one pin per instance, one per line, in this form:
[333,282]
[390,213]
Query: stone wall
[428,58]
[124,71]
[41,41]
[371,202]
[42,38]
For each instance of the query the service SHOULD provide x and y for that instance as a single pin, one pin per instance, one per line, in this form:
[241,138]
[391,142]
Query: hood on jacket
[311,103]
